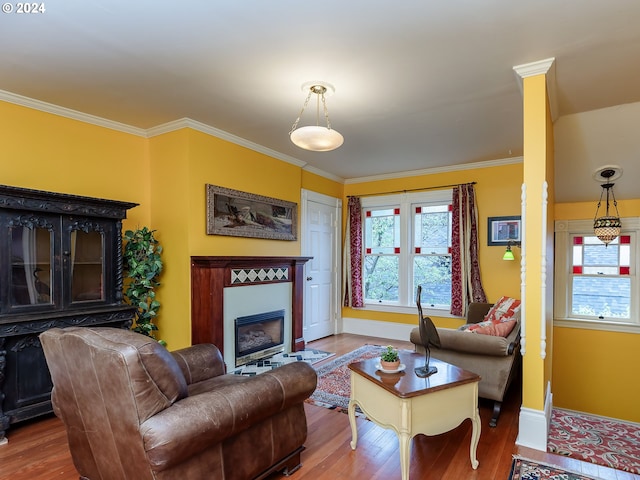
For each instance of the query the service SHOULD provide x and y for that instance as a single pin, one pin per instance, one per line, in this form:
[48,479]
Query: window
[407,242]
[596,285]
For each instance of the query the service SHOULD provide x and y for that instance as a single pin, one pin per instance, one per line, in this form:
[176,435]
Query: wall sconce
[508,254]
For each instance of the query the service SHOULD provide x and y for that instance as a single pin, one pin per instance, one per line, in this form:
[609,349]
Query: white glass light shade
[316,138]
[607,228]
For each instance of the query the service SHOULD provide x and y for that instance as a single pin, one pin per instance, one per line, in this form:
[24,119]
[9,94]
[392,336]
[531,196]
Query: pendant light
[608,227]
[316,137]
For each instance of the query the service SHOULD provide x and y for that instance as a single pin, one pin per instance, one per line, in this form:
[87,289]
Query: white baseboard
[373,328]
[533,428]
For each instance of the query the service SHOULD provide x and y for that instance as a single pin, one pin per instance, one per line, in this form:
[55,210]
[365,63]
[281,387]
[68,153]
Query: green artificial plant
[142,266]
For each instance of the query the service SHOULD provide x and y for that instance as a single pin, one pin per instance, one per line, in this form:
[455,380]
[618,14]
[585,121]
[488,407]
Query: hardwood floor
[38,450]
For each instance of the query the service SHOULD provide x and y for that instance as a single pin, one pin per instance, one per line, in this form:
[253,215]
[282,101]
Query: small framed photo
[503,230]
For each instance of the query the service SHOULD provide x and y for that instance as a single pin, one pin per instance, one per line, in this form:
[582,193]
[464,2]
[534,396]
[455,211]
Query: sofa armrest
[469,342]
[199,421]
[200,362]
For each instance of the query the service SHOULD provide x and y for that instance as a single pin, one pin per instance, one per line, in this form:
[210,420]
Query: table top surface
[407,384]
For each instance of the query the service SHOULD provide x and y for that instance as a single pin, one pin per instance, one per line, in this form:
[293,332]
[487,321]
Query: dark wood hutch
[60,265]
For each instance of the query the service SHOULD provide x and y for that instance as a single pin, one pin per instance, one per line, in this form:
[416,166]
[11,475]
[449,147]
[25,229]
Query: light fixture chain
[599,202]
[295,124]
[326,112]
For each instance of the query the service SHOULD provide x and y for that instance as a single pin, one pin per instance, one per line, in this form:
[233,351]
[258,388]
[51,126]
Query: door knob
[309,278]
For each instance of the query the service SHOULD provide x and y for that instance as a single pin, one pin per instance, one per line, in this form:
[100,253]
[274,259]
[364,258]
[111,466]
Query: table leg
[404,441]
[475,437]
[352,421]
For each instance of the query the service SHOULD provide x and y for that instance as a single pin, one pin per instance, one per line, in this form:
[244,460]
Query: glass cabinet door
[31,251]
[87,266]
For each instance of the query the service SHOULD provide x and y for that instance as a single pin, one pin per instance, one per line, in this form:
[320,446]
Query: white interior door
[321,240]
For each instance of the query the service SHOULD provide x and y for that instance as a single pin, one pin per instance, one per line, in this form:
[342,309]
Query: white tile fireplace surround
[252,300]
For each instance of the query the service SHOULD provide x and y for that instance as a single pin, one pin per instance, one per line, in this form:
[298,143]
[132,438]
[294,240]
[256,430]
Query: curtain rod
[413,190]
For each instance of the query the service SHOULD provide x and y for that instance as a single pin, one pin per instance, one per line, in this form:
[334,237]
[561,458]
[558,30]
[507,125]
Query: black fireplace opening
[259,336]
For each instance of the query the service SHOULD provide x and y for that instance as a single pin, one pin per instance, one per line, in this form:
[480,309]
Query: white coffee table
[410,405]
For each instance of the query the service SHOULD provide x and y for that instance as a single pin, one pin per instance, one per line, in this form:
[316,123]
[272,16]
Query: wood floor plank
[37,450]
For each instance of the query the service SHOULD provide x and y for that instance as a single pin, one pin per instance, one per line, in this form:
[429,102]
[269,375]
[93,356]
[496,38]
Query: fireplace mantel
[211,275]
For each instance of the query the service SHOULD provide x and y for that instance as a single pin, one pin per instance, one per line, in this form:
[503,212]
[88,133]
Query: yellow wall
[48,152]
[166,175]
[171,208]
[497,193]
[185,161]
[591,367]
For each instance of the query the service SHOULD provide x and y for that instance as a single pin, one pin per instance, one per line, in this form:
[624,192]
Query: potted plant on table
[389,360]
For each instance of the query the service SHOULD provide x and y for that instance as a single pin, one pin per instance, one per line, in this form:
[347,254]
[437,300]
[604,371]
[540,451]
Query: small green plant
[142,266]
[390,355]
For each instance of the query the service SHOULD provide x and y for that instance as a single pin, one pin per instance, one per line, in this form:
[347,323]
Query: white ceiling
[419,84]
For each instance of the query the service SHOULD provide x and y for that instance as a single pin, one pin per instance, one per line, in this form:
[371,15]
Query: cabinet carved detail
[31,221]
[85,226]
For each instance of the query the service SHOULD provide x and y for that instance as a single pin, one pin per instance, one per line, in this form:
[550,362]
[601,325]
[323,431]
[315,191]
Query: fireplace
[226,288]
[259,336]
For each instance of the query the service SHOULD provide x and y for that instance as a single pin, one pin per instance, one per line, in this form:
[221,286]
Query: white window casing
[565,230]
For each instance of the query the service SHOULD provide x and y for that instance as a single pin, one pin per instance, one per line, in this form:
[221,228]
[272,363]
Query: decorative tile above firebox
[257,275]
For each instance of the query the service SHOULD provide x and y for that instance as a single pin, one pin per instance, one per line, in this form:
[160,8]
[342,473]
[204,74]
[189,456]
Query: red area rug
[594,439]
[334,384]
[525,469]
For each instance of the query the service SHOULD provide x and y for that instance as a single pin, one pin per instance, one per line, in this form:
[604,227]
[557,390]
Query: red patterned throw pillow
[503,310]
[499,321]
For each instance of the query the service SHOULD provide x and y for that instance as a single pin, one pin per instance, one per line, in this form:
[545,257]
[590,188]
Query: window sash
[610,282]
[404,249]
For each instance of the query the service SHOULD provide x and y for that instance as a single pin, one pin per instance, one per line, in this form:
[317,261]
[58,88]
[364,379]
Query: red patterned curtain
[352,264]
[466,285]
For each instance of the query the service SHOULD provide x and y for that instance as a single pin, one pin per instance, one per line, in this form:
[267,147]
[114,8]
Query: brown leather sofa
[495,359]
[135,411]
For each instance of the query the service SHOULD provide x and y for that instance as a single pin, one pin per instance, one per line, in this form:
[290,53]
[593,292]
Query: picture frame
[502,230]
[241,214]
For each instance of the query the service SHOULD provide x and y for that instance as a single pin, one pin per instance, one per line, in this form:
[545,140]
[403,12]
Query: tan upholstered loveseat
[495,359]
[132,410]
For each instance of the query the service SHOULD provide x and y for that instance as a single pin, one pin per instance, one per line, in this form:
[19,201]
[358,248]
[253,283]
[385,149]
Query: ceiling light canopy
[316,138]
[608,227]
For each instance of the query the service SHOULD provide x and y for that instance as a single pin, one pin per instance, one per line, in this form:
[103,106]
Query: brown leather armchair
[135,411]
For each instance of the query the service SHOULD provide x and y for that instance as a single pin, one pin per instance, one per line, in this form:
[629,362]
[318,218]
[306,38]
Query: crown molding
[541,67]
[69,113]
[215,132]
[157,130]
[434,170]
[209,130]
[322,173]
[545,67]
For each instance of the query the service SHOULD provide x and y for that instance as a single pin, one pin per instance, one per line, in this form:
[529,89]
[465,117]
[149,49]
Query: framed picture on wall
[503,230]
[241,214]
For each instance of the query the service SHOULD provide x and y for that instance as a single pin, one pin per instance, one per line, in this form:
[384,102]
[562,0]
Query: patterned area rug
[595,439]
[279,359]
[334,385]
[525,469]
